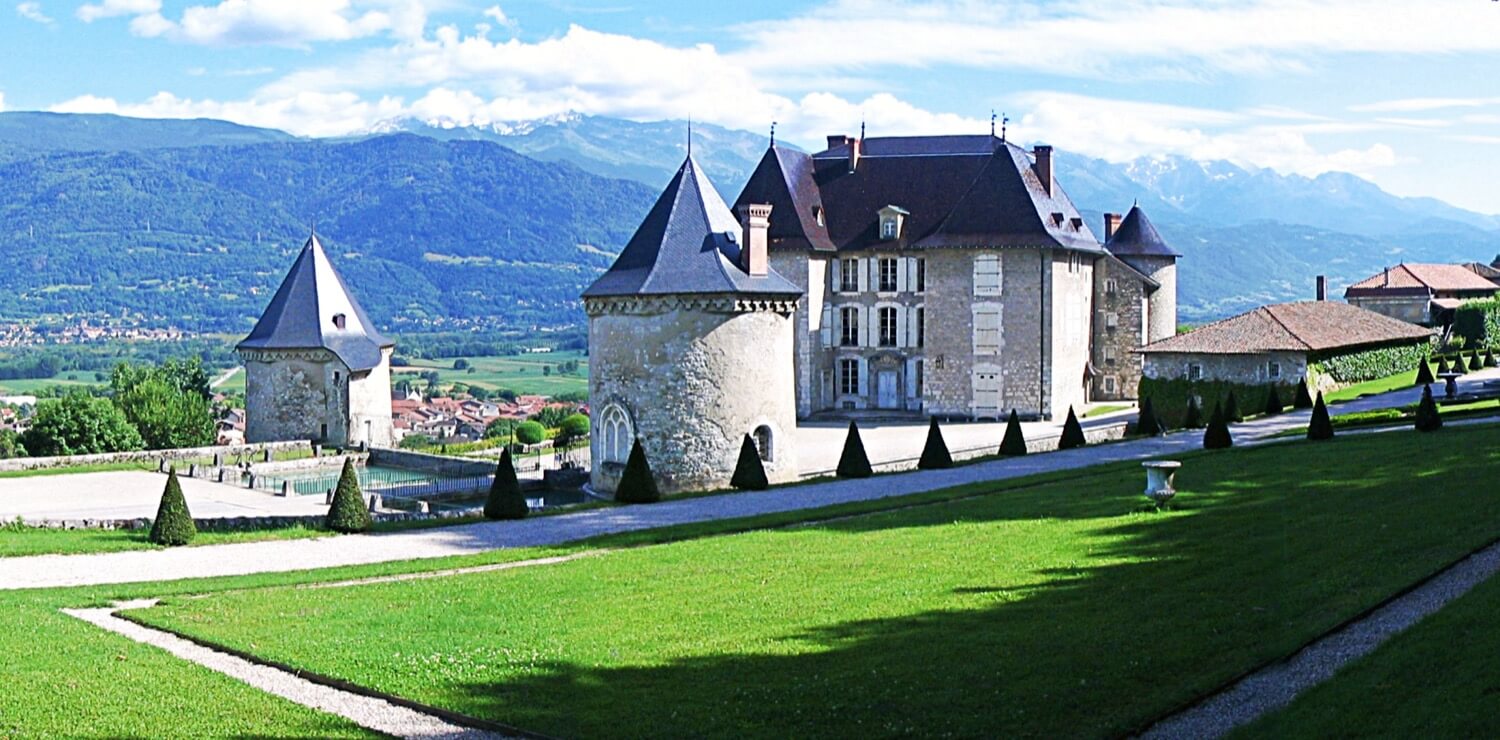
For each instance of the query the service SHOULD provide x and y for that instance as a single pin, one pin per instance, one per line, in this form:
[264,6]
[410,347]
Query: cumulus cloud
[268,22]
[1419,105]
[33,12]
[114,8]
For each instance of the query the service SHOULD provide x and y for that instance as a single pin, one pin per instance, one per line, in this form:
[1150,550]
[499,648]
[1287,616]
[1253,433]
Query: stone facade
[1246,369]
[689,376]
[312,395]
[1121,325]
[1416,309]
[811,353]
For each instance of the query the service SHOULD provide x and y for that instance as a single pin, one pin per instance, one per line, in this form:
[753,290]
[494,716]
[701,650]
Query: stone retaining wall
[1107,432]
[145,456]
[427,463]
[230,524]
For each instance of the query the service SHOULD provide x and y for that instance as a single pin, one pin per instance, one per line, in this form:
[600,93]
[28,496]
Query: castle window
[818,215]
[615,434]
[887,327]
[339,321]
[921,327]
[1111,286]
[1111,320]
[921,270]
[888,228]
[1194,371]
[849,275]
[987,274]
[987,330]
[763,443]
[1273,370]
[921,373]
[849,327]
[887,274]
[848,377]
[1109,355]
[336,377]
[1109,384]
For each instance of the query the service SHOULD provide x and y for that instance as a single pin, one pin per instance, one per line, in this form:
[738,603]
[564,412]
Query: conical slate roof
[689,243]
[1137,237]
[301,315]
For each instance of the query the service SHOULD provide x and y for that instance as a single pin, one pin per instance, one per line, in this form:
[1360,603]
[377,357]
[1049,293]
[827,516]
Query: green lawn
[1439,679]
[1399,381]
[17,540]
[70,379]
[524,374]
[1059,609]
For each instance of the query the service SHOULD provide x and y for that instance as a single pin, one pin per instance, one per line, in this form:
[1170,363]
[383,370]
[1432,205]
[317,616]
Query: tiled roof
[1307,326]
[784,180]
[1437,278]
[1136,236]
[301,314]
[688,243]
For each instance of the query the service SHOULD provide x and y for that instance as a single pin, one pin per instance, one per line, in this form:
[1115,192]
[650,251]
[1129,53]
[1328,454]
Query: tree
[167,417]
[1014,442]
[79,424]
[1072,433]
[1320,427]
[935,452]
[1232,409]
[1193,418]
[506,500]
[173,525]
[1424,372]
[749,471]
[530,433]
[853,462]
[416,442]
[348,513]
[547,370]
[1146,422]
[551,417]
[1303,398]
[637,484]
[574,426]
[1428,418]
[1273,401]
[499,428]
[10,445]
[1216,436]
[461,364]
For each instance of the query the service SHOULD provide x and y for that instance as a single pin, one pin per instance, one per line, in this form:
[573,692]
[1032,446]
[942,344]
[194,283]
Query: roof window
[339,321]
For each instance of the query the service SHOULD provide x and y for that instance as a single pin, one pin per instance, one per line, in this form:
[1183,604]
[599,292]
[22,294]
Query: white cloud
[33,12]
[269,22]
[1416,105]
[115,8]
[309,114]
[2,102]
[501,19]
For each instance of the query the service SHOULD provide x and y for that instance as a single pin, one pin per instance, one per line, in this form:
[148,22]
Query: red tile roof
[1307,326]
[1437,278]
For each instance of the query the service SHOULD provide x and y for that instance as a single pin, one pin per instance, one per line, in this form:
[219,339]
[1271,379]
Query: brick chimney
[1322,287]
[837,140]
[854,151]
[755,219]
[1111,224]
[1043,155]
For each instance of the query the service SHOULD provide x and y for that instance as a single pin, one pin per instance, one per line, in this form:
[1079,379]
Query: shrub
[749,472]
[1476,363]
[1370,364]
[1424,373]
[1489,358]
[1216,436]
[79,424]
[1304,399]
[1320,427]
[1428,418]
[1443,366]
[1478,322]
[1072,433]
[173,525]
[637,484]
[935,452]
[1273,401]
[1014,441]
[1146,422]
[348,513]
[574,426]
[853,462]
[530,432]
[1232,409]
[506,500]
[1193,419]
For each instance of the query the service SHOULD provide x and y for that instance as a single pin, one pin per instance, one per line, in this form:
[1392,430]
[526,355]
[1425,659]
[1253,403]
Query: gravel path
[1275,686]
[371,713]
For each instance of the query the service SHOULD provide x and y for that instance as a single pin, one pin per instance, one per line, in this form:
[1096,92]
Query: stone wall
[369,404]
[1071,302]
[693,375]
[427,463]
[1251,369]
[1114,352]
[1162,305]
[147,456]
[295,395]
[1412,309]
[811,358]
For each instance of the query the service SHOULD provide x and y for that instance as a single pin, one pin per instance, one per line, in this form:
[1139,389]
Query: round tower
[1136,242]
[691,346]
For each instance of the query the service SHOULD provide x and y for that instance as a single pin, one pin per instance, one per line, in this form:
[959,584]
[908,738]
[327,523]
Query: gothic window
[615,434]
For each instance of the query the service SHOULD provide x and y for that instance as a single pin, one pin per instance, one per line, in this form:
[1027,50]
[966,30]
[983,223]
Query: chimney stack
[755,219]
[1043,155]
[1111,224]
[1322,287]
[837,140]
[854,151]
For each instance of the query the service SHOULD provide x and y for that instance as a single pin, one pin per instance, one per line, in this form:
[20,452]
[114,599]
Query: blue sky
[1403,93]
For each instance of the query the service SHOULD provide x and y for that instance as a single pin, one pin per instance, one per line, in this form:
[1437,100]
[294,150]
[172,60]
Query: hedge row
[1478,322]
[1169,398]
[1370,364]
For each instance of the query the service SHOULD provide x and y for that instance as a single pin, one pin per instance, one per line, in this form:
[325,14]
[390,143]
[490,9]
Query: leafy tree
[574,426]
[1232,409]
[1273,401]
[79,424]
[1193,418]
[1304,398]
[461,364]
[1072,433]
[499,428]
[1476,363]
[935,452]
[1216,436]
[552,417]
[1146,422]
[416,442]
[1424,372]
[348,513]
[1428,418]
[749,471]
[1320,427]
[853,462]
[173,525]
[547,370]
[1014,442]
[506,500]
[167,417]
[10,445]
[530,433]
[637,484]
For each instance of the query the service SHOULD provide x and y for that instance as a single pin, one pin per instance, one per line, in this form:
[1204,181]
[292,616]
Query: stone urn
[1159,474]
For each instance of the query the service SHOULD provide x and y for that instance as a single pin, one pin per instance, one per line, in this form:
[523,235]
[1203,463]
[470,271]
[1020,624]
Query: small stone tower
[315,367]
[1136,242]
[690,345]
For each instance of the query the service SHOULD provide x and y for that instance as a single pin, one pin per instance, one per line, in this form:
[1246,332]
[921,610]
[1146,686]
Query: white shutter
[864,328]
[863,266]
[827,325]
[836,283]
[912,329]
[901,275]
[864,377]
[901,330]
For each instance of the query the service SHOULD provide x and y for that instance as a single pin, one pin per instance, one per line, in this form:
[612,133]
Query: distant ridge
[75,132]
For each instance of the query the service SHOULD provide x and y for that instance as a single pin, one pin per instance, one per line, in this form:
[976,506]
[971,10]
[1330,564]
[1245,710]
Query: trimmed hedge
[1320,426]
[1274,405]
[1193,417]
[749,471]
[348,513]
[173,525]
[1424,373]
[1146,421]
[1428,418]
[935,453]
[1014,442]
[530,432]
[1169,398]
[1478,322]
[1304,399]
[637,485]
[853,462]
[506,500]
[1370,364]
[1232,409]
[1072,433]
[1217,437]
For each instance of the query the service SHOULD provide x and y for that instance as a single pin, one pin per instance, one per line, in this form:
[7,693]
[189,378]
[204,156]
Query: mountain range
[444,226]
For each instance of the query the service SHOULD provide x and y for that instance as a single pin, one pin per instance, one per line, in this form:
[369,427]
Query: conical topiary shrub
[1014,441]
[854,463]
[1072,433]
[1273,401]
[1216,436]
[1428,418]
[1193,419]
[1146,422]
[348,512]
[1320,427]
[749,471]
[1303,399]
[1443,366]
[1424,372]
[935,452]
[1489,358]
[1232,410]
[637,485]
[506,500]
[1476,363]
[173,525]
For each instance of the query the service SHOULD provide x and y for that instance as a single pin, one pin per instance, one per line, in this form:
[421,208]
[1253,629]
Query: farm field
[524,374]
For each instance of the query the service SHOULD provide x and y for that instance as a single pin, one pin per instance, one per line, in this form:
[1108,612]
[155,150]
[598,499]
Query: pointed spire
[690,137]
[773,134]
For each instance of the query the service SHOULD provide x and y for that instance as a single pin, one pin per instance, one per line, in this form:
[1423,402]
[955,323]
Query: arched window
[615,434]
[763,443]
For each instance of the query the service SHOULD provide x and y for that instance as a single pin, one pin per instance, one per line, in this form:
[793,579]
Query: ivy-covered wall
[1369,364]
[1478,322]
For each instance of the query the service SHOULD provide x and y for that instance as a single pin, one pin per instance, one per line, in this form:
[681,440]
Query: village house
[1425,294]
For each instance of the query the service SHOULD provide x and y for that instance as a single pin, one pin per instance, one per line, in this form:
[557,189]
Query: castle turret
[690,346]
[315,366]
[1136,242]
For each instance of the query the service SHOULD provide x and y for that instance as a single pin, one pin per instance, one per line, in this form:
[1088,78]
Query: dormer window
[888,229]
[339,321]
[818,215]
[891,218]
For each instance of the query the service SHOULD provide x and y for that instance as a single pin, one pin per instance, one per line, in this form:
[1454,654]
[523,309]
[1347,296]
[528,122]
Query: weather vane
[773,133]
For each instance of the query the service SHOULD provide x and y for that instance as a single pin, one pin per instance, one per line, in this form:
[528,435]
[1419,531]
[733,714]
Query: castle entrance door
[886,396]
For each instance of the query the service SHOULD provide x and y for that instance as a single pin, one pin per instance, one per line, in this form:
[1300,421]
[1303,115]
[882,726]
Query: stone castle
[944,276]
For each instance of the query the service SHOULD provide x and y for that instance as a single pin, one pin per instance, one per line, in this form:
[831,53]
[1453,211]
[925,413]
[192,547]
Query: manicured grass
[1061,609]
[75,469]
[1404,415]
[1105,409]
[28,386]
[523,374]
[1439,679]
[17,540]
[1399,381]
